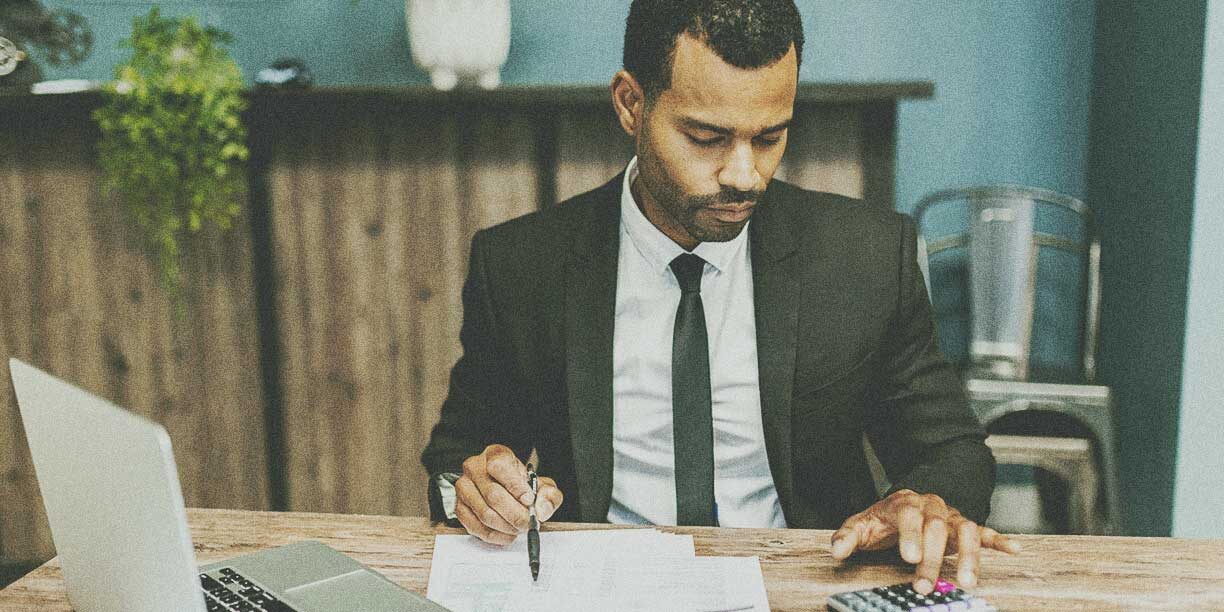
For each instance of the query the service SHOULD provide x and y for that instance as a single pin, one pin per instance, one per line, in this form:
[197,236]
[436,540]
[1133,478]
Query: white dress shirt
[647,295]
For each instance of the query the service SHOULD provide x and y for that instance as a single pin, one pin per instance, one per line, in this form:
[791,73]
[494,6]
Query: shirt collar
[656,247]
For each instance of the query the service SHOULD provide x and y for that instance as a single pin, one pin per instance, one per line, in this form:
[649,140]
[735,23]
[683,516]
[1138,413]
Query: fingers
[968,544]
[847,539]
[479,502]
[494,496]
[474,526]
[926,529]
[997,541]
[909,523]
[549,500]
[934,541]
[489,490]
[505,469]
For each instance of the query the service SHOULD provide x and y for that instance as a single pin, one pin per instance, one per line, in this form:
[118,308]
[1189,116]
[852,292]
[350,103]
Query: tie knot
[688,268]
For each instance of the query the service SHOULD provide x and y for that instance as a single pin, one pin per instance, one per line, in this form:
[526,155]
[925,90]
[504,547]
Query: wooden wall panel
[81,301]
[591,149]
[824,150]
[372,229]
[23,526]
[341,291]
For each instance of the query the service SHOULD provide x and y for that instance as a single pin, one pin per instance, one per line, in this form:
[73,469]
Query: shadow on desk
[10,572]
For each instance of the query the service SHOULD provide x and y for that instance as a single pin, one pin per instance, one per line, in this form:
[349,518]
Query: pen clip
[533,481]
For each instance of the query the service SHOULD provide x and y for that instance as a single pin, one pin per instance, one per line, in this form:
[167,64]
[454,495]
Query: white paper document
[593,571]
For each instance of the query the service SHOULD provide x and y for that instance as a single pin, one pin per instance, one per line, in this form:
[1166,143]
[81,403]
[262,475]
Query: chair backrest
[983,245]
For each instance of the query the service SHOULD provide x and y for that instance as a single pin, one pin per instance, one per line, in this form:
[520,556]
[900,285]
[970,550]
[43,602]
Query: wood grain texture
[591,149]
[82,301]
[372,199]
[824,150]
[1052,572]
[372,214]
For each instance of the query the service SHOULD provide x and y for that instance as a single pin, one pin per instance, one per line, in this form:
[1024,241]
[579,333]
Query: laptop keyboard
[228,591]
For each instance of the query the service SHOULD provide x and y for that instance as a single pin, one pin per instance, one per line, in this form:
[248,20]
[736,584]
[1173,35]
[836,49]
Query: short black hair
[744,33]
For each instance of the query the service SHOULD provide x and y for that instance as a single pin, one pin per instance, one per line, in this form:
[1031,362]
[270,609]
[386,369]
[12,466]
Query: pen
[533,529]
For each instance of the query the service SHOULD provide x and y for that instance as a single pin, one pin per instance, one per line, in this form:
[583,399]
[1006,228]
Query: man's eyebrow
[778,127]
[697,124]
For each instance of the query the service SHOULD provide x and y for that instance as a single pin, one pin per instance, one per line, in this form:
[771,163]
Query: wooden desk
[1054,572]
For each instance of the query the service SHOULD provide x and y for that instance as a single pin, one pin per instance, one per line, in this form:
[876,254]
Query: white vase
[459,39]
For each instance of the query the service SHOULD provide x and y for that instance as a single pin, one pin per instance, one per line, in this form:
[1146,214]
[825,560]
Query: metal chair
[983,248]
[1071,459]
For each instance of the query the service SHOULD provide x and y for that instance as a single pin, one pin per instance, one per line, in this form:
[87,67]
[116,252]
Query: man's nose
[740,173]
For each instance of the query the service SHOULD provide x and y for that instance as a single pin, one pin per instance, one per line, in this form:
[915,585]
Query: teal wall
[1199,490]
[1143,143]
[1012,77]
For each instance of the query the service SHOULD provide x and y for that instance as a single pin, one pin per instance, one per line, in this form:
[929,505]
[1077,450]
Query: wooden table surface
[1053,572]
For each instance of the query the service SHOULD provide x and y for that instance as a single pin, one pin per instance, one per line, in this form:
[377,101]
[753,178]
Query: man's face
[710,144]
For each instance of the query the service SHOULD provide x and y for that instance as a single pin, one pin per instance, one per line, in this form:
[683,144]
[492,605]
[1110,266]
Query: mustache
[727,196]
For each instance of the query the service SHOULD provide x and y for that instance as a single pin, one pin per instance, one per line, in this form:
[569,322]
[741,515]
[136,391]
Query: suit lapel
[775,281]
[590,311]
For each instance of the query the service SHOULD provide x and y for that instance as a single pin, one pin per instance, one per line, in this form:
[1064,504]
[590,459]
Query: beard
[714,217]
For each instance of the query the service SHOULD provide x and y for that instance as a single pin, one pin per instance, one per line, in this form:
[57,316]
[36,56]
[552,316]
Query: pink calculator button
[943,586]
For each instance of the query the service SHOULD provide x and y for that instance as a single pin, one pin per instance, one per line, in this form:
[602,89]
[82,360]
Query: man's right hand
[492,497]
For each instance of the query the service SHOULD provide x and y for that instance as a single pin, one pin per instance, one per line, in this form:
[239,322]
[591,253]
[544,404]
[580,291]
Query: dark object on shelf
[59,36]
[285,72]
[10,56]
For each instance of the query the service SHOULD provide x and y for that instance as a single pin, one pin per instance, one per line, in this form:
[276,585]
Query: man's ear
[629,102]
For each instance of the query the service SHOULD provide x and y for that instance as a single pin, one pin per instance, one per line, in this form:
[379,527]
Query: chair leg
[1101,425]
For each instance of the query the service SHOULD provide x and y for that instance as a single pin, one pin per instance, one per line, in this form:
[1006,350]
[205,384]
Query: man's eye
[705,142]
[769,142]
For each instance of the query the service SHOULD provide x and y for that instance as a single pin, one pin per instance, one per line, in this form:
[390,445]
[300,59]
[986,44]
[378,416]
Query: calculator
[945,598]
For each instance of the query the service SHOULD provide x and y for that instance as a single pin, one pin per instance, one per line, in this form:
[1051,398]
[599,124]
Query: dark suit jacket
[845,345]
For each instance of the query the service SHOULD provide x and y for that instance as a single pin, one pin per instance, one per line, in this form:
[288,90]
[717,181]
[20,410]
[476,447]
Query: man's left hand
[925,528]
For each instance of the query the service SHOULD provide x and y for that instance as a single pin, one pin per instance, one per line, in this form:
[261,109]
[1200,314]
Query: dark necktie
[692,421]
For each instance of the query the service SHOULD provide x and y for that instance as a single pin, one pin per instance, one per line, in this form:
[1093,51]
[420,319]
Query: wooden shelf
[550,96]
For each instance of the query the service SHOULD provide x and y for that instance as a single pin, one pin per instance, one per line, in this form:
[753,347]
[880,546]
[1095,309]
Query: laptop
[116,511]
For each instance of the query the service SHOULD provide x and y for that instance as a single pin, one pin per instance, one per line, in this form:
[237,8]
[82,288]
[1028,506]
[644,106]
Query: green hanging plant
[173,143]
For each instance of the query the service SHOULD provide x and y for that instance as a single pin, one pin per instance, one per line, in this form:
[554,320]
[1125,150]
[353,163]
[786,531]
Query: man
[695,343]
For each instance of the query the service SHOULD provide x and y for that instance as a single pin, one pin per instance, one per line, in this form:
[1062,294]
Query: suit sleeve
[925,435]
[476,411]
